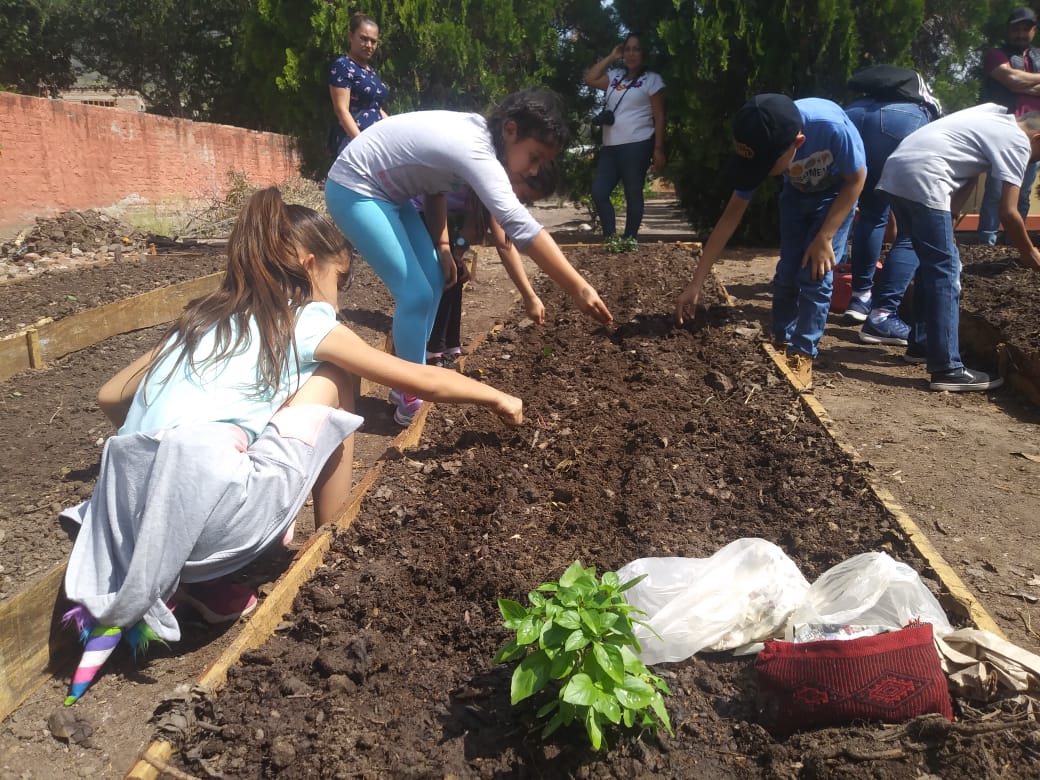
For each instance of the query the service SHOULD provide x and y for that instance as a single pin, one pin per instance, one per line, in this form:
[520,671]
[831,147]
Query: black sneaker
[964,380]
[916,355]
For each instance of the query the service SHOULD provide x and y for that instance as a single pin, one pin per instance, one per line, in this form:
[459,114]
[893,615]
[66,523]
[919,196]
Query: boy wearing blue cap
[814,145]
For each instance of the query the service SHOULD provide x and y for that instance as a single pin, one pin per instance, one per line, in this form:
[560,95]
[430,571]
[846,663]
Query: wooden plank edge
[918,539]
[33,643]
[16,349]
[155,307]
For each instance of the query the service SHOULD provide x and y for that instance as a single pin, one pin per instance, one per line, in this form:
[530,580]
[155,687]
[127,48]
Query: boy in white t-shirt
[930,174]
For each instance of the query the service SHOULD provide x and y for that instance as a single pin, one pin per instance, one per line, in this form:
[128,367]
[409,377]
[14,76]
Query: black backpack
[895,84]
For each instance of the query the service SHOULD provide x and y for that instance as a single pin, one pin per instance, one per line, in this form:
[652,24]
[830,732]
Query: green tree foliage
[459,54]
[177,53]
[35,46]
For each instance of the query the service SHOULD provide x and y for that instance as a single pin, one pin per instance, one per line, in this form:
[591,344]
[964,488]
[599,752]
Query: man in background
[1011,79]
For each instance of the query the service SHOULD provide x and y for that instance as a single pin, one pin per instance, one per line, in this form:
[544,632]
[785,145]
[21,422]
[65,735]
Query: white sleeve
[489,180]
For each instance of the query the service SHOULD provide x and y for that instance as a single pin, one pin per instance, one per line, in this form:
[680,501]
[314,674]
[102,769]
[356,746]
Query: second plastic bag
[871,589]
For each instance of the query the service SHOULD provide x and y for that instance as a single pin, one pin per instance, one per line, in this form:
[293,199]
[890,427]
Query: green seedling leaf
[528,631]
[529,677]
[581,691]
[562,665]
[511,651]
[610,661]
[576,641]
[568,619]
[574,571]
[632,583]
[593,729]
[634,694]
[511,610]
[607,705]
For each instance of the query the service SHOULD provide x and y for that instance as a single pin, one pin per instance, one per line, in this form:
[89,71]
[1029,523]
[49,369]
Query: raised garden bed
[641,440]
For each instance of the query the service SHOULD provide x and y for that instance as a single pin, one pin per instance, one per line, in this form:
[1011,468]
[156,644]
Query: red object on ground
[841,293]
[891,677]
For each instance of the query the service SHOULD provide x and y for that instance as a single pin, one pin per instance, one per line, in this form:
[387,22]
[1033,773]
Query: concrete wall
[56,155]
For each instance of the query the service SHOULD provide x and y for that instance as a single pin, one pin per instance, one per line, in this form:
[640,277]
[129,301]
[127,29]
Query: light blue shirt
[225,392]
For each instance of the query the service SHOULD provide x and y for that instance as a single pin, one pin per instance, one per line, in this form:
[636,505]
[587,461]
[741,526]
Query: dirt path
[954,461]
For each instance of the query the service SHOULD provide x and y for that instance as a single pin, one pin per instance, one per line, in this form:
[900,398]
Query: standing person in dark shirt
[358,95]
[1012,79]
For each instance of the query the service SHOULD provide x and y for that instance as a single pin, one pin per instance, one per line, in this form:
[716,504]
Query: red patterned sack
[890,677]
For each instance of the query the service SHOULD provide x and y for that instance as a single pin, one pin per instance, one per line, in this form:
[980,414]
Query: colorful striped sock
[98,646]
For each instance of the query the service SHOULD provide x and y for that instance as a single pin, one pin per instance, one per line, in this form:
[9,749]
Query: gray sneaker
[964,380]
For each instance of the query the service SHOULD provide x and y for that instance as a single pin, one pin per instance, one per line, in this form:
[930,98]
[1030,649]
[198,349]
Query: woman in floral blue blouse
[358,95]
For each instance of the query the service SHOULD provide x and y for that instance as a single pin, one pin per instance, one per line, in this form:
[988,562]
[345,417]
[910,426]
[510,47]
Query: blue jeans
[801,303]
[394,240]
[882,126]
[627,163]
[897,272]
[989,211]
[937,284]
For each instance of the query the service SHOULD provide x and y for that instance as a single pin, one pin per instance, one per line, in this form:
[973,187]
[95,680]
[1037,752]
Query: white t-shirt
[430,152]
[936,160]
[223,392]
[630,102]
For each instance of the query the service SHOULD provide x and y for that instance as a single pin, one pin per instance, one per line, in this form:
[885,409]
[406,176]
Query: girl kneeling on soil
[371,184]
[242,409]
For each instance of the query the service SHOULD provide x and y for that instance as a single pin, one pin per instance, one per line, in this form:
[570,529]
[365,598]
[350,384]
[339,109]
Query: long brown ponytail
[265,282]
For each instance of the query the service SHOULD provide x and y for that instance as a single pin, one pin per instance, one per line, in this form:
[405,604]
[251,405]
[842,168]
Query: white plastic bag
[741,594]
[870,589]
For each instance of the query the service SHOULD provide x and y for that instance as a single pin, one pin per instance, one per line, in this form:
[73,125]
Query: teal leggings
[394,240]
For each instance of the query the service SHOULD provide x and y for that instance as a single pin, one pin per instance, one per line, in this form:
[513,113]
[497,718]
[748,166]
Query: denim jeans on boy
[989,210]
[896,274]
[629,164]
[801,303]
[882,126]
[937,285]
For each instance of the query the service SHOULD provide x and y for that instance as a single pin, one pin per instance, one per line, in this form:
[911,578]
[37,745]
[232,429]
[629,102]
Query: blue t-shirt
[225,392]
[368,94]
[833,148]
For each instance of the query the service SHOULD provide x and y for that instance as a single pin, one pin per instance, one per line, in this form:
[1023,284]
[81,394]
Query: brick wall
[56,155]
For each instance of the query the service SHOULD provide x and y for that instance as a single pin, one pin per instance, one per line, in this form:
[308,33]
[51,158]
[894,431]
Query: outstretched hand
[590,303]
[1030,261]
[686,306]
[535,309]
[510,409]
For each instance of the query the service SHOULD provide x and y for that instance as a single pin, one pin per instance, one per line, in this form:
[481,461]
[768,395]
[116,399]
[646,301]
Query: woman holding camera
[633,132]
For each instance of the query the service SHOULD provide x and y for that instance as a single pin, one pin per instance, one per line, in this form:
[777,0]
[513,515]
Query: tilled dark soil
[641,440]
[995,287]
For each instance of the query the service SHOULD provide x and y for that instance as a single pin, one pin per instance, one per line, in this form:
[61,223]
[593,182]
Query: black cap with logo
[763,129]
[1021,15]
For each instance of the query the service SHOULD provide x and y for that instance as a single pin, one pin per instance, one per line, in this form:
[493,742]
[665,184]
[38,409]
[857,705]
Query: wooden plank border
[48,339]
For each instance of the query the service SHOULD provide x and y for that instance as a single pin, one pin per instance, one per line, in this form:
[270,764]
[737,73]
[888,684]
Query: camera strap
[606,97]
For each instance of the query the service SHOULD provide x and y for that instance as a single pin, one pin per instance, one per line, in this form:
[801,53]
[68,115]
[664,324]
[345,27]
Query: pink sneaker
[406,407]
[218,601]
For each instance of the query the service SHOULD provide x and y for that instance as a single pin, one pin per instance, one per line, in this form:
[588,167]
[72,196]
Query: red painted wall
[56,155]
